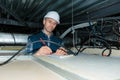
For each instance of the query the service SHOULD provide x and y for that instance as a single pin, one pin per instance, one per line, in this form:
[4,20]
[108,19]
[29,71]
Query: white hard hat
[54,15]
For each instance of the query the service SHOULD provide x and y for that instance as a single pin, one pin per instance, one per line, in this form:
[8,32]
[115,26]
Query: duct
[13,39]
[76,27]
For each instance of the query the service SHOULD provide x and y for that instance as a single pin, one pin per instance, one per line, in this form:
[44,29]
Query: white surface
[60,56]
[27,70]
[91,67]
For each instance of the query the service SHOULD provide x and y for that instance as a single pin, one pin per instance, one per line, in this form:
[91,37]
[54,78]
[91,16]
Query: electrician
[50,22]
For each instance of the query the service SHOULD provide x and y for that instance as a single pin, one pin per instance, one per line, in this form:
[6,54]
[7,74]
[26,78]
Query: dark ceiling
[26,15]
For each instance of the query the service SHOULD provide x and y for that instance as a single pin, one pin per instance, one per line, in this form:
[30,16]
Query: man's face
[49,24]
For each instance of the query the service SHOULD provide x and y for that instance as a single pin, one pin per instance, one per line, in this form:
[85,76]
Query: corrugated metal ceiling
[30,13]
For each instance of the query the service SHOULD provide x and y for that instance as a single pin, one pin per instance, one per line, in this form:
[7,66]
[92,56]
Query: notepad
[60,56]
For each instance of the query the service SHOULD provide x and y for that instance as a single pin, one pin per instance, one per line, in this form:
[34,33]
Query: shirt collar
[47,35]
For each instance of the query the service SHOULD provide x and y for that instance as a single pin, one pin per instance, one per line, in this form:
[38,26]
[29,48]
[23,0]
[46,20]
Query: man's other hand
[44,50]
[61,51]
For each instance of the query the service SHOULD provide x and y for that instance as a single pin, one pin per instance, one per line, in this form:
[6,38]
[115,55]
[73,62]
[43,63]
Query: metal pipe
[82,25]
[13,38]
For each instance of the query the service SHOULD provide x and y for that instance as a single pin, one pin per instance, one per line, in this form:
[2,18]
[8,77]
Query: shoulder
[36,36]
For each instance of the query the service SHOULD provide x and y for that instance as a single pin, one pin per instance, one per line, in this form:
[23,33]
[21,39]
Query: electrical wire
[8,60]
[68,50]
[73,30]
[13,38]
[5,62]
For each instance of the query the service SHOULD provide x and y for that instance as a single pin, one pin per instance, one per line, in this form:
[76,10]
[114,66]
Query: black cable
[100,40]
[13,38]
[68,50]
[5,62]
[116,28]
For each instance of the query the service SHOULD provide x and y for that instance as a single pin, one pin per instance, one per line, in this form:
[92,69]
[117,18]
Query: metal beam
[107,11]
[16,23]
[10,12]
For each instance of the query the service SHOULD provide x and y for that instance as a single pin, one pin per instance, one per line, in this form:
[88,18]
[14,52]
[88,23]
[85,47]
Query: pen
[43,42]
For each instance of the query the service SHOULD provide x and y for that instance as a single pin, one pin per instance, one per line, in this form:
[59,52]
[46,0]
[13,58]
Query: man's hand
[61,51]
[44,50]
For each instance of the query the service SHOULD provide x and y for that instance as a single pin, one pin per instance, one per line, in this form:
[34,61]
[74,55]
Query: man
[42,47]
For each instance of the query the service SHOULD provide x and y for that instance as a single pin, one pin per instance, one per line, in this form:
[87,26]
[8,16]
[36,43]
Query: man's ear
[43,21]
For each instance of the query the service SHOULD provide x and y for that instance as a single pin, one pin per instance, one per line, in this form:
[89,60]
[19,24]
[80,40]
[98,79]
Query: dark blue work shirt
[34,42]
